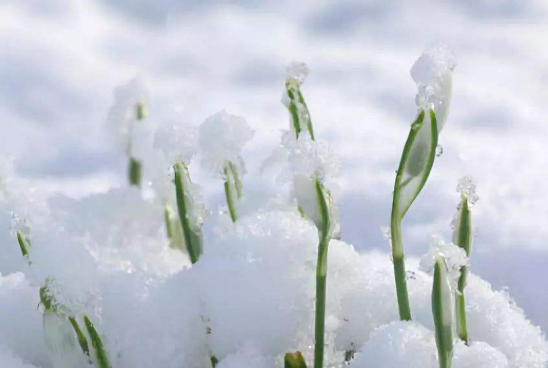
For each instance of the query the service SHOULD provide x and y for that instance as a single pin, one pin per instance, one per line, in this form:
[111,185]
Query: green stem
[399,271]
[101,355]
[229,194]
[321,291]
[321,275]
[462,330]
[134,172]
[464,240]
[82,340]
[191,239]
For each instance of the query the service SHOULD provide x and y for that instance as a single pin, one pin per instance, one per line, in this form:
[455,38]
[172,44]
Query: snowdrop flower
[130,107]
[454,256]
[293,99]
[433,73]
[222,137]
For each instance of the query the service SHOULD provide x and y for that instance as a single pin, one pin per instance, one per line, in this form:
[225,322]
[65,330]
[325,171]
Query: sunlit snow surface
[55,93]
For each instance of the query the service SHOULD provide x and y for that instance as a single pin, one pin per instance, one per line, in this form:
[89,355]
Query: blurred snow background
[60,62]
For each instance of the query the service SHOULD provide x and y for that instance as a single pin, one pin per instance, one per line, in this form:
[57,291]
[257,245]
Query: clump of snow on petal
[297,71]
[178,142]
[433,74]
[467,189]
[221,138]
[455,258]
[311,158]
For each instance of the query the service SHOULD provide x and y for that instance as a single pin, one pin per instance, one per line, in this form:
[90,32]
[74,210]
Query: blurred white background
[60,61]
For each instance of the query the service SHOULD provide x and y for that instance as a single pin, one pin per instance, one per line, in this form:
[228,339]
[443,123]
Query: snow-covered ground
[60,63]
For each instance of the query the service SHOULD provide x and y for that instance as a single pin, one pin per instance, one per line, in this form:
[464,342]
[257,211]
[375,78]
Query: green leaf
[101,356]
[294,360]
[192,233]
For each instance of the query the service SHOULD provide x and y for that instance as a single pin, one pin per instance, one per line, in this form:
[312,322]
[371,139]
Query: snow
[454,256]
[433,74]
[250,298]
[297,71]
[221,138]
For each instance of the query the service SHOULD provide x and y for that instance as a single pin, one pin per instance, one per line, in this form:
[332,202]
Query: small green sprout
[233,188]
[294,360]
[463,237]
[190,224]
[415,166]
[443,313]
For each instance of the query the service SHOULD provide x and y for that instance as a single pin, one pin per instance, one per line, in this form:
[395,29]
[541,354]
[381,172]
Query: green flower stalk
[463,237]
[189,217]
[313,198]
[443,313]
[415,166]
[294,360]
[325,231]
[433,74]
[233,188]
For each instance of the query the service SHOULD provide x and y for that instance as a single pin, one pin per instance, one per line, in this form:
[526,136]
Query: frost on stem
[293,99]
[443,313]
[191,215]
[463,237]
[222,137]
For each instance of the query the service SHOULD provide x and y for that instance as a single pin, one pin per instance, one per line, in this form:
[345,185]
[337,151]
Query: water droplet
[439,150]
